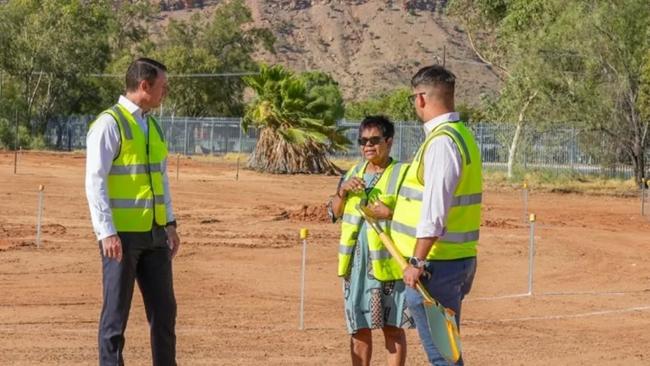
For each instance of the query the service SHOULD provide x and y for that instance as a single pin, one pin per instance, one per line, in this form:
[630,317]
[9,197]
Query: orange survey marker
[442,321]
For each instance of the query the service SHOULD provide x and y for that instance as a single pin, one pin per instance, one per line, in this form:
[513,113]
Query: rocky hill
[369,46]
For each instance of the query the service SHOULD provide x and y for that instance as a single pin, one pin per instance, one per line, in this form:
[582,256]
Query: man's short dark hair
[143,69]
[382,123]
[434,76]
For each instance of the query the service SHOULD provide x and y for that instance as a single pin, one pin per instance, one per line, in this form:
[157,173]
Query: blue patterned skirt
[370,303]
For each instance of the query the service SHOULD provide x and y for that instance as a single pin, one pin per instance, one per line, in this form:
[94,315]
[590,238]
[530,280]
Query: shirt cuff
[104,235]
[430,230]
[105,232]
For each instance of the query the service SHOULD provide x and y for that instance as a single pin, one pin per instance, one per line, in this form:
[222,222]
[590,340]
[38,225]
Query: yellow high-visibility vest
[464,218]
[384,267]
[135,184]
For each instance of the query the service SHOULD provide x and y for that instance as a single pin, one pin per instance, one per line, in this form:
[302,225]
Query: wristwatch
[417,262]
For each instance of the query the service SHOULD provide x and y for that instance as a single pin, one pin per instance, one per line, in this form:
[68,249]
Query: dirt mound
[311,213]
[55,229]
[500,224]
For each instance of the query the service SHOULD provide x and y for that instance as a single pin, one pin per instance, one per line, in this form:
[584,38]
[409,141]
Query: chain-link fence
[558,149]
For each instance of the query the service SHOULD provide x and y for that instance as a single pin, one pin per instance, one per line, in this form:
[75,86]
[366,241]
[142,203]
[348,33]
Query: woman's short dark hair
[143,69]
[381,123]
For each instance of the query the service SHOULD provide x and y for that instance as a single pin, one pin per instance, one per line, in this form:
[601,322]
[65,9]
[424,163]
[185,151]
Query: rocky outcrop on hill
[370,46]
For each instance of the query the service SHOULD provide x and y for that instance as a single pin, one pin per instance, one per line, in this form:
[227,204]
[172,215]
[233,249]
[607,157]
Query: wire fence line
[558,149]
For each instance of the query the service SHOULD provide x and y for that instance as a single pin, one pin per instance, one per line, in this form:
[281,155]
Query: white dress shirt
[442,168]
[102,146]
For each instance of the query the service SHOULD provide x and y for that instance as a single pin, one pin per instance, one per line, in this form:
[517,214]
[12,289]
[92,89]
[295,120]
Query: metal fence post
[572,148]
[400,147]
[524,148]
[171,132]
[240,147]
[225,135]
[480,138]
[185,148]
[212,138]
[69,131]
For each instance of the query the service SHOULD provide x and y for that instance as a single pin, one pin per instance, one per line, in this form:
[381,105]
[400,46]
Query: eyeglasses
[412,97]
[374,140]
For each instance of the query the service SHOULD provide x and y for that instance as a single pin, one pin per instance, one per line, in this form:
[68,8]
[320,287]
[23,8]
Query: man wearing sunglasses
[438,211]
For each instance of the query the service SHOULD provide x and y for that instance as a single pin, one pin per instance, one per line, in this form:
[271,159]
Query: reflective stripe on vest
[135,203]
[383,266]
[463,219]
[135,184]
[135,169]
[411,193]
[122,123]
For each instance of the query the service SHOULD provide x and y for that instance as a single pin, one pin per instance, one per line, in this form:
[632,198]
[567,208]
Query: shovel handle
[390,246]
[392,249]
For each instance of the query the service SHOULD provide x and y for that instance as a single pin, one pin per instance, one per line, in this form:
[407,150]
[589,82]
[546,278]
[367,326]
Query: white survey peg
[531,253]
[304,233]
[39,215]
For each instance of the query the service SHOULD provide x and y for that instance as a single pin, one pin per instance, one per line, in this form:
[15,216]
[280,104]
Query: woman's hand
[379,210]
[354,184]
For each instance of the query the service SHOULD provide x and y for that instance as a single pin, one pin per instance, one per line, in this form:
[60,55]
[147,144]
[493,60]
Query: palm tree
[297,127]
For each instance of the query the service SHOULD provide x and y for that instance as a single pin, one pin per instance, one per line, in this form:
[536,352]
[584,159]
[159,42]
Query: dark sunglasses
[413,97]
[374,140]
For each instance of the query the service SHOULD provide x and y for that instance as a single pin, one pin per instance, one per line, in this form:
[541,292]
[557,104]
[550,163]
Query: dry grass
[563,183]
[497,180]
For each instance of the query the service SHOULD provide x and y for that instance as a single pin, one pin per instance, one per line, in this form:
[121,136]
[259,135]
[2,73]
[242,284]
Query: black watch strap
[417,262]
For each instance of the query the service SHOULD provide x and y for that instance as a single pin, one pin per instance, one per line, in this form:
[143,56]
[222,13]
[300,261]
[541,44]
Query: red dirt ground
[237,275]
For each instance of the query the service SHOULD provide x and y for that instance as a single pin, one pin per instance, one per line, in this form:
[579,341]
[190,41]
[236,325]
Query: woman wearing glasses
[373,288]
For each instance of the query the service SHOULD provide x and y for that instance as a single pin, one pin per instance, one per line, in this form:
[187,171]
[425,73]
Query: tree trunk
[639,165]
[273,154]
[513,148]
[512,153]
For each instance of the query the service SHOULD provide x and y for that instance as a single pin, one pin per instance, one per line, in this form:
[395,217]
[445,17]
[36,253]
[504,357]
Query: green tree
[322,88]
[129,36]
[612,42]
[222,43]
[508,35]
[394,105]
[297,128]
[51,49]
[578,61]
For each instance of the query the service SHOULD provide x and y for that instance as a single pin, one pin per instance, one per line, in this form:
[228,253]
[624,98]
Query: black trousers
[146,257]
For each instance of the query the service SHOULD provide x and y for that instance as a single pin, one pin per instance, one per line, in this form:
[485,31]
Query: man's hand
[354,184]
[173,240]
[412,275]
[112,247]
[379,210]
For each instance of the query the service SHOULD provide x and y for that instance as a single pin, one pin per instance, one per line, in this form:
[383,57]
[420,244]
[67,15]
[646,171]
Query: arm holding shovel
[412,273]
[441,322]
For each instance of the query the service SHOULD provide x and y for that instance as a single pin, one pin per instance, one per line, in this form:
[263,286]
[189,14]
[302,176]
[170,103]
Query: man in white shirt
[437,216]
[130,205]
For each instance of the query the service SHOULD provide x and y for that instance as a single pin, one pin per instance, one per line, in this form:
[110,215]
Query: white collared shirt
[442,169]
[102,146]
